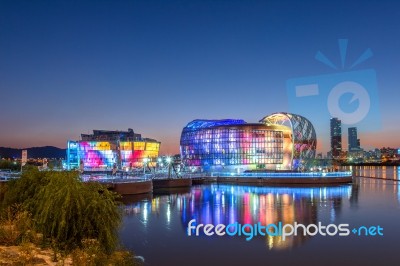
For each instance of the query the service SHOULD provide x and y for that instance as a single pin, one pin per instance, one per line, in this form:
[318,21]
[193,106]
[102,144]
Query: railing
[104,178]
[5,171]
[285,175]
[7,175]
[195,175]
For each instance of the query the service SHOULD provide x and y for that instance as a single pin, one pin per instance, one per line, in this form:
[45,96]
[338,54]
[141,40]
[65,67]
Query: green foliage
[15,226]
[59,211]
[25,188]
[8,164]
[67,211]
[102,216]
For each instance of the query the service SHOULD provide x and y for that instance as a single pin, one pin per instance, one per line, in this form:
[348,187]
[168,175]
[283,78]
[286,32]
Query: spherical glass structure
[304,136]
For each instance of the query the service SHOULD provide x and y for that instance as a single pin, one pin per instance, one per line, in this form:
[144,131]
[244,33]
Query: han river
[155,227]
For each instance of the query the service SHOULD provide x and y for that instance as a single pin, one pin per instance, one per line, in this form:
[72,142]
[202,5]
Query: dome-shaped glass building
[304,137]
[278,142]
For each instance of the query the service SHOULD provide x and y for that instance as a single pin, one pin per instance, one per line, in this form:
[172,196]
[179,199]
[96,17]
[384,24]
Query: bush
[15,226]
[91,254]
[23,190]
[67,211]
[3,189]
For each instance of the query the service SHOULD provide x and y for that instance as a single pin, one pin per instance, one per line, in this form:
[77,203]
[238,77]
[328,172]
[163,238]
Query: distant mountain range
[34,152]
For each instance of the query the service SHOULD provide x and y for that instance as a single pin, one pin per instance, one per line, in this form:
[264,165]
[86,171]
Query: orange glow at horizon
[170,144]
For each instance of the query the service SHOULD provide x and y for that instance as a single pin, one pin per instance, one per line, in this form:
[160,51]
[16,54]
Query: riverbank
[35,230]
[29,254]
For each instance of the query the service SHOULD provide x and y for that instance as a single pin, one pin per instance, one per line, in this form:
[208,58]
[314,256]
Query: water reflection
[225,204]
[138,205]
[354,195]
[398,191]
[145,205]
[268,205]
[376,176]
[381,172]
[155,225]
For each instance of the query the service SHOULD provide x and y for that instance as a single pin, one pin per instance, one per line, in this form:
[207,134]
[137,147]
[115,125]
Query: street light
[145,161]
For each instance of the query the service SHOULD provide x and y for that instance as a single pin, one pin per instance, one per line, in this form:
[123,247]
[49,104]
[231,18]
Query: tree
[24,189]
[10,165]
[67,211]
[102,216]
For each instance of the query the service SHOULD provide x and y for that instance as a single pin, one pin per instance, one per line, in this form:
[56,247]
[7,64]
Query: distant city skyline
[68,67]
[354,142]
[336,137]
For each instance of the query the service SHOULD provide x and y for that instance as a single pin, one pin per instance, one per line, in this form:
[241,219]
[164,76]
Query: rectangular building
[336,137]
[354,142]
[105,150]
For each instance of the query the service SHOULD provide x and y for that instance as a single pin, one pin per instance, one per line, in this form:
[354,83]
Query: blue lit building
[278,142]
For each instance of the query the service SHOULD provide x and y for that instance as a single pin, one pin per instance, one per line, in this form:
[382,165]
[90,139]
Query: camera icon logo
[359,93]
[351,96]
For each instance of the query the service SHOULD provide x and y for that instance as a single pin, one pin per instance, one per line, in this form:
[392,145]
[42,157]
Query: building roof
[202,123]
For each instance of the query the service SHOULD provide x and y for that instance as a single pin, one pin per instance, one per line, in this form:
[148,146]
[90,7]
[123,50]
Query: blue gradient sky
[67,67]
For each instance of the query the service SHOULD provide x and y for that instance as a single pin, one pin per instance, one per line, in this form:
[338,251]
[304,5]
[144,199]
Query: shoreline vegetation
[52,218]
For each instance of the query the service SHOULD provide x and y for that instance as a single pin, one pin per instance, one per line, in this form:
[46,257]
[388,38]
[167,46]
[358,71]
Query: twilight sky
[67,67]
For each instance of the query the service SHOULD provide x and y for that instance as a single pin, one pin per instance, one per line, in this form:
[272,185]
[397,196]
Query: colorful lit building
[104,150]
[278,142]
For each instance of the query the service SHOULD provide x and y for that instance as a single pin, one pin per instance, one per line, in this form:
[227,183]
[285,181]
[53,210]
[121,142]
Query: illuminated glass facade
[303,132]
[105,150]
[235,145]
[95,154]
[276,143]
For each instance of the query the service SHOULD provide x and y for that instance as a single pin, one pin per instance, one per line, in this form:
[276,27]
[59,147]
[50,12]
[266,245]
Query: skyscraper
[354,142]
[336,137]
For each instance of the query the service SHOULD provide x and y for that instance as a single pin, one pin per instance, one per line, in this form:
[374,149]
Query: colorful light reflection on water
[155,226]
